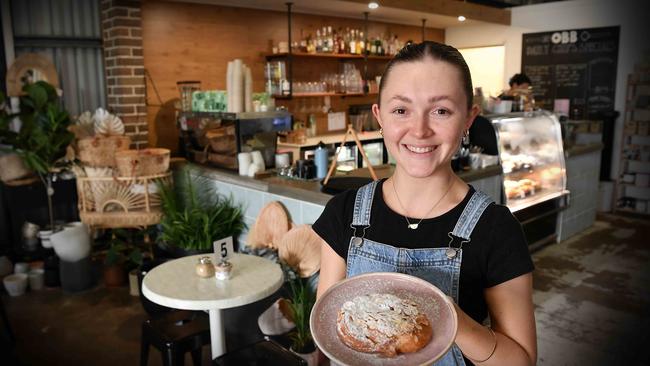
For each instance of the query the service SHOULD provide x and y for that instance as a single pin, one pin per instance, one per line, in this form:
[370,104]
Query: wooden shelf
[326,55]
[308,95]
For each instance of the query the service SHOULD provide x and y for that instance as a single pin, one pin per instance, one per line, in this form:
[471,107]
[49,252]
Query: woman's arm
[332,268]
[513,320]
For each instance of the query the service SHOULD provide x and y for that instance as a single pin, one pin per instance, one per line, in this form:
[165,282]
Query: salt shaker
[205,268]
[223,270]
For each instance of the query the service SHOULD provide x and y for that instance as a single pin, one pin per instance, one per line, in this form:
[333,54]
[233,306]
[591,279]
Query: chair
[262,353]
[173,332]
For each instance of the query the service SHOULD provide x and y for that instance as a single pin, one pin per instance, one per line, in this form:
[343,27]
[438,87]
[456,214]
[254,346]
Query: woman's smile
[422,150]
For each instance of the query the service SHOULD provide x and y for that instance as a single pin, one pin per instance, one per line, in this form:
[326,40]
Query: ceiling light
[373,5]
[461,18]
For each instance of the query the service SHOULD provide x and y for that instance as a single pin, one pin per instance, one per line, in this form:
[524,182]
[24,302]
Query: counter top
[309,191]
[576,150]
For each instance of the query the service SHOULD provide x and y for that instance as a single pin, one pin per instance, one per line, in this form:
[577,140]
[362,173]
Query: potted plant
[120,257]
[301,300]
[194,216]
[43,136]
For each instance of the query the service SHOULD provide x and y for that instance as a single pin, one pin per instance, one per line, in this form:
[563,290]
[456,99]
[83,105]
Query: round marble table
[175,284]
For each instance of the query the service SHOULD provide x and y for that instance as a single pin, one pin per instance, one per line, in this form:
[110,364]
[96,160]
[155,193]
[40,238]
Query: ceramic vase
[134,289]
[72,243]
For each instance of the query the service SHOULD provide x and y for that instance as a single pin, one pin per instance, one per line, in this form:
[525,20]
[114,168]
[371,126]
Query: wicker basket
[99,151]
[136,163]
[120,201]
[13,167]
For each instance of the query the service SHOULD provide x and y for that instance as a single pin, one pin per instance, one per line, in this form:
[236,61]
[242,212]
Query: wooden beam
[451,8]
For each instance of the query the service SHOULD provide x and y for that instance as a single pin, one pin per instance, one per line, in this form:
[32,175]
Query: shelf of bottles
[348,44]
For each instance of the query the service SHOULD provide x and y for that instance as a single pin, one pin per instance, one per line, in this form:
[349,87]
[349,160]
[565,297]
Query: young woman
[454,236]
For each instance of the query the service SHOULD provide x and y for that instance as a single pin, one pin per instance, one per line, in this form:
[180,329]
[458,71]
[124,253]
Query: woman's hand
[513,321]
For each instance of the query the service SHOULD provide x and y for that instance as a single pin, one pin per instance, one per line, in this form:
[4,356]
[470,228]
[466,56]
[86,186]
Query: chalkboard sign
[578,64]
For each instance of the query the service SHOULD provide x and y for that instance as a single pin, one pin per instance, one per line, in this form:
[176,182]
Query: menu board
[575,64]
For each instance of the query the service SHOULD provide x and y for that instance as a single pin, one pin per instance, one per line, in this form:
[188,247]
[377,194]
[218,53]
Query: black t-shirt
[497,252]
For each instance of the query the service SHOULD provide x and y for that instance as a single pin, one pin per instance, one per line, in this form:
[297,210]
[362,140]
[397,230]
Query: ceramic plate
[433,302]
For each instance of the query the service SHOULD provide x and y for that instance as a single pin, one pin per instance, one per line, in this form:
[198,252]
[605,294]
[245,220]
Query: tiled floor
[592,296]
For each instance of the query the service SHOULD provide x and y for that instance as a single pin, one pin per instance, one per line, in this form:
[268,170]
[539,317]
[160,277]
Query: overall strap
[471,214]
[363,204]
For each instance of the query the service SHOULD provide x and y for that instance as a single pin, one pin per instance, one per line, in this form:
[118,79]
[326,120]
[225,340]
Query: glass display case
[534,175]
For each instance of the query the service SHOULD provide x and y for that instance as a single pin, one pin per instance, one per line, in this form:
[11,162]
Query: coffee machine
[217,137]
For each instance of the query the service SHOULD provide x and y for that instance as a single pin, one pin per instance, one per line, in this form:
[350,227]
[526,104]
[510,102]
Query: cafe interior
[162,162]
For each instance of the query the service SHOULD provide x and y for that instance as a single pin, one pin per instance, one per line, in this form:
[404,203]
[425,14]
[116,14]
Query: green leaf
[37,93]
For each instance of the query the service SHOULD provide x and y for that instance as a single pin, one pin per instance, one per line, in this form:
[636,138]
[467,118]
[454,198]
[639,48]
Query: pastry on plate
[384,324]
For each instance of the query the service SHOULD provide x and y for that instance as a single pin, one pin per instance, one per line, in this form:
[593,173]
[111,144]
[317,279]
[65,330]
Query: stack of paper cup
[244,160]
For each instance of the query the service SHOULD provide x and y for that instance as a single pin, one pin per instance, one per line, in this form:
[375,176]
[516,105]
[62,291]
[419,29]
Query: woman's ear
[375,112]
[473,112]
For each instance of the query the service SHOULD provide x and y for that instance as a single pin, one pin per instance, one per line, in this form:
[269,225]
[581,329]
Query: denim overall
[439,266]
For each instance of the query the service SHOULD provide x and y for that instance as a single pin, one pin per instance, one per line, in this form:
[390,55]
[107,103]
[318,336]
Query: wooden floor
[592,297]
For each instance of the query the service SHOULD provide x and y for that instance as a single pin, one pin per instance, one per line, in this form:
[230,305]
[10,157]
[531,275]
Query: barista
[520,93]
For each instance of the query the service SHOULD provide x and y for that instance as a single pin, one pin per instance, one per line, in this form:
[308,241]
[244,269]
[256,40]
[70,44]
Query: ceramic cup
[21,267]
[16,284]
[45,238]
[258,158]
[282,160]
[36,278]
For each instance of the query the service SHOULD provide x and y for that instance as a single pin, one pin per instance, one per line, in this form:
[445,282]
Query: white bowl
[16,284]
[72,243]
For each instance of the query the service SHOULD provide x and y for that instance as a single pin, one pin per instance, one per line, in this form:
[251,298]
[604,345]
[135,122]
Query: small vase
[72,243]
[311,357]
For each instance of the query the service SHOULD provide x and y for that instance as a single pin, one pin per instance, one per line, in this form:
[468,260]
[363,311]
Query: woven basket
[99,151]
[13,167]
[136,163]
[120,201]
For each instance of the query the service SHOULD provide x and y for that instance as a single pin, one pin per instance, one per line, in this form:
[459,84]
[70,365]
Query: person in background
[518,83]
[426,221]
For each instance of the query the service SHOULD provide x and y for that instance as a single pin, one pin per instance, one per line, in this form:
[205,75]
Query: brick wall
[124,63]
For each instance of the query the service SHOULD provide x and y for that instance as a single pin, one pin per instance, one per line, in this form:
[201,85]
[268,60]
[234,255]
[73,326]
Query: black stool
[262,353]
[174,334]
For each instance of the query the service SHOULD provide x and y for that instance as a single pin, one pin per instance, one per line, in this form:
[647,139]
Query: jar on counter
[223,270]
[205,268]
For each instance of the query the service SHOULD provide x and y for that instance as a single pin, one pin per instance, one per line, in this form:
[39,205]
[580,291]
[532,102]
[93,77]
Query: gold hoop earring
[381,132]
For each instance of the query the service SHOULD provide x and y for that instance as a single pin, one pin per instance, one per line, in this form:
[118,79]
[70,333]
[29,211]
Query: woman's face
[423,114]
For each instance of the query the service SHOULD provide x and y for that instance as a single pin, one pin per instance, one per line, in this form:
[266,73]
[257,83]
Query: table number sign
[223,248]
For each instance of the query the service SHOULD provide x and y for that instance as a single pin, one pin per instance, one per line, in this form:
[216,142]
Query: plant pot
[134,286]
[45,236]
[72,243]
[76,276]
[311,356]
[16,284]
[114,275]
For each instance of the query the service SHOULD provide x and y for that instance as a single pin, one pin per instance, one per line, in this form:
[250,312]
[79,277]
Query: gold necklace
[415,225]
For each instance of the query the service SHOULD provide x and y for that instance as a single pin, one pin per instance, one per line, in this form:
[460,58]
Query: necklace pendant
[413,226]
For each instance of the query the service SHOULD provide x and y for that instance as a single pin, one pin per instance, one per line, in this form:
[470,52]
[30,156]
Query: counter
[302,199]
[582,173]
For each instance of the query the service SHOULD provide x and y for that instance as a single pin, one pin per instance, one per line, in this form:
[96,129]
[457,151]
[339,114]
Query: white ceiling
[347,10]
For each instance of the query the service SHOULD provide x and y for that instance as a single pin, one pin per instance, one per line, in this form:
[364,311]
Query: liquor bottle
[311,47]
[319,42]
[339,41]
[353,43]
[324,46]
[303,45]
[361,44]
[330,39]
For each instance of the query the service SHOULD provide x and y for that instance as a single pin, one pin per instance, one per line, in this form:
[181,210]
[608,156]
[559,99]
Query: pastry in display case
[534,175]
